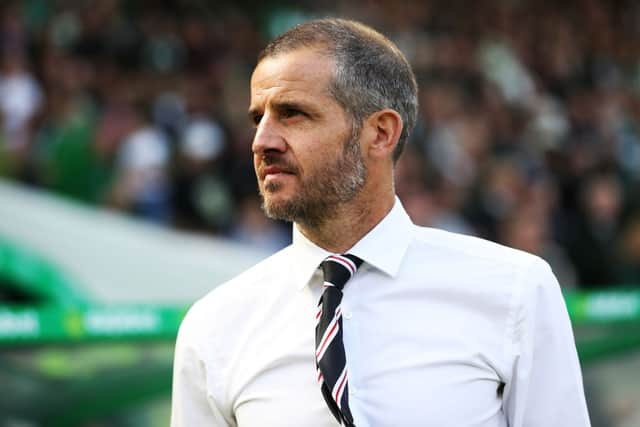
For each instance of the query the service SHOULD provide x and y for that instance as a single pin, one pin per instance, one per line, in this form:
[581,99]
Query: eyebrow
[280,106]
[291,105]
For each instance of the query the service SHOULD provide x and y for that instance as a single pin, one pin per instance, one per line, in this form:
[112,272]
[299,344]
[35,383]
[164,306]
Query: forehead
[302,72]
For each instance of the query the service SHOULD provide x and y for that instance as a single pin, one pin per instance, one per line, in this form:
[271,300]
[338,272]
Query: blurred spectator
[630,252]
[528,230]
[20,99]
[501,190]
[142,184]
[65,147]
[21,95]
[430,200]
[202,198]
[593,243]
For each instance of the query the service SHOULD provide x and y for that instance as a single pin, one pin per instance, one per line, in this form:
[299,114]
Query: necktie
[330,356]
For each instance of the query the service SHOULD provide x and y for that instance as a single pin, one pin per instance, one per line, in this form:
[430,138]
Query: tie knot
[338,269]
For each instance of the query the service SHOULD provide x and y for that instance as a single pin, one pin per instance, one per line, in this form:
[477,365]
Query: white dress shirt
[434,323]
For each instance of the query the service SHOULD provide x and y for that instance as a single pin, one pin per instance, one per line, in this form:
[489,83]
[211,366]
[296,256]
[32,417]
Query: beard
[321,192]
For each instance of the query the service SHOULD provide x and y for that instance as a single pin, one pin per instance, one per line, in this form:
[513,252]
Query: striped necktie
[331,362]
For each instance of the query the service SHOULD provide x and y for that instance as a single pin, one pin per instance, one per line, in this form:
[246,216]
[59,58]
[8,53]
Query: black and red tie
[331,361]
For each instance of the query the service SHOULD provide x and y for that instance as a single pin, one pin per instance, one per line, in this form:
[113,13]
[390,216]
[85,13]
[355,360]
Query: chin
[277,193]
[279,210]
[277,205]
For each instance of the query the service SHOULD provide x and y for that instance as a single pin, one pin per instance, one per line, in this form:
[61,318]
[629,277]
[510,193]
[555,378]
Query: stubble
[332,184]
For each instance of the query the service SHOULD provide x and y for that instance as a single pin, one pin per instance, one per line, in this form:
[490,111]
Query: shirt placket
[352,344]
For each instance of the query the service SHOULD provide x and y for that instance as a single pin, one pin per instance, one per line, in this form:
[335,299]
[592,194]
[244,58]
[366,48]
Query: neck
[350,221]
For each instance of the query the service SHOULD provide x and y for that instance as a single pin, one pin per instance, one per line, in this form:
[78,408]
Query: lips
[273,169]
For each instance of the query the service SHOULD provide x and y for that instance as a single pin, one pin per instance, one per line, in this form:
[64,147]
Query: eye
[255,119]
[291,112]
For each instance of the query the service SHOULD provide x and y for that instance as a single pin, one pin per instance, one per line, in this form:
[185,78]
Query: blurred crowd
[528,134]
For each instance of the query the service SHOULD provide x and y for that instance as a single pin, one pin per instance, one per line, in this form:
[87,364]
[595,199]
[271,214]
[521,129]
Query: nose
[268,136]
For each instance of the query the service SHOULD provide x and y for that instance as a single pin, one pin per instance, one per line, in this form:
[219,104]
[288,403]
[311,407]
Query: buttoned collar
[383,247]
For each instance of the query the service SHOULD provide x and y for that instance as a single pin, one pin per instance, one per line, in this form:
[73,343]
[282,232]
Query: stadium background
[127,189]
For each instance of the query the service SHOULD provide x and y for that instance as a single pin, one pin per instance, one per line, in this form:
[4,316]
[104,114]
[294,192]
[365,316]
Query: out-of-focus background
[127,189]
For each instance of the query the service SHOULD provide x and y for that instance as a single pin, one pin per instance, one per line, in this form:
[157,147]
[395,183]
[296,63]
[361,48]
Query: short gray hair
[370,74]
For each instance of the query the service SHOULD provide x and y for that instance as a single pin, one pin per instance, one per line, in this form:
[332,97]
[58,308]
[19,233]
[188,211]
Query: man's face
[306,159]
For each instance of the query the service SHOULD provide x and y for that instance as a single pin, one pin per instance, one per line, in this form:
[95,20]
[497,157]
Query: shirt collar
[383,247]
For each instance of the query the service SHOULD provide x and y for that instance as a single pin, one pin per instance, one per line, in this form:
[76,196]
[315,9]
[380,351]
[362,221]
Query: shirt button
[352,390]
[348,315]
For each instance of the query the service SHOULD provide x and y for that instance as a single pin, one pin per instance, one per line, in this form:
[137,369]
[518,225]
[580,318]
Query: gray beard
[320,194]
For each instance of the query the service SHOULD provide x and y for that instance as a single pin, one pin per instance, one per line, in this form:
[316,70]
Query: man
[433,329]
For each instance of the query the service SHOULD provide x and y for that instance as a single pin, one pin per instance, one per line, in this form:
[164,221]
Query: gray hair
[370,74]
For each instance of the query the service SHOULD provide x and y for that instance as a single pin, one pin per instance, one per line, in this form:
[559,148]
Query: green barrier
[605,323]
[54,324]
[36,277]
[90,322]
[603,306]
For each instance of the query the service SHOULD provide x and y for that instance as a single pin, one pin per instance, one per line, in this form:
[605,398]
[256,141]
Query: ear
[384,128]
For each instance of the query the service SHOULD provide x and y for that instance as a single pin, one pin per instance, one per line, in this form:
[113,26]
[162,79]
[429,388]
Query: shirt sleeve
[191,403]
[545,388]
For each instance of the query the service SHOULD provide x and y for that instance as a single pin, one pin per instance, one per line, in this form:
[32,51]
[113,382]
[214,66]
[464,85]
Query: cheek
[311,150]
[310,162]
[319,150]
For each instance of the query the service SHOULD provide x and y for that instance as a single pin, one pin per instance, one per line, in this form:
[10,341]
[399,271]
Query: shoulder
[470,248]
[511,279]
[480,266]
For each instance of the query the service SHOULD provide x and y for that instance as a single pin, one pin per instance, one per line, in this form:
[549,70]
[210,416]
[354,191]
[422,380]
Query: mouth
[273,170]
[269,171]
